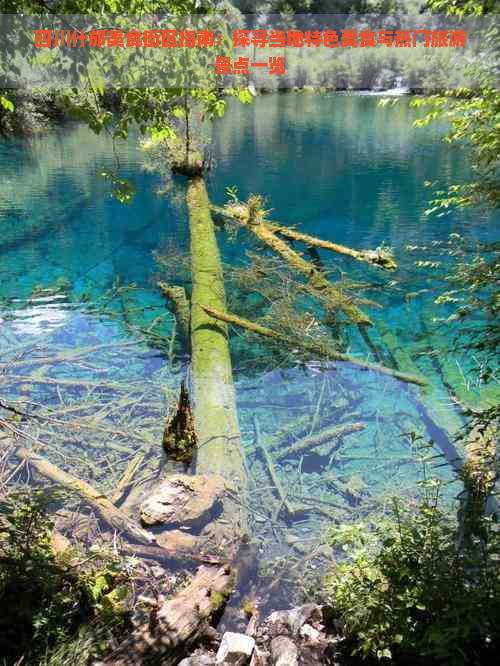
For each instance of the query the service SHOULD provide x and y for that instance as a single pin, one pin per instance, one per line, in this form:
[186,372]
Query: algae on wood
[214,402]
[179,436]
[312,348]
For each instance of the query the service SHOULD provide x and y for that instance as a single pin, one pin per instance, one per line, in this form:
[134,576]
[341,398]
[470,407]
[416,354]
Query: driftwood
[260,444]
[127,478]
[179,303]
[101,504]
[312,348]
[178,623]
[378,257]
[318,439]
[332,295]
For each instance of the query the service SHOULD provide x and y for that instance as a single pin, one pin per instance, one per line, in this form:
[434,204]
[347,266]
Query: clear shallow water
[337,166]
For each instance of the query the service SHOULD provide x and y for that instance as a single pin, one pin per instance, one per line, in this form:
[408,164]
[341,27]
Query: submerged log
[99,502]
[431,409]
[127,478]
[179,304]
[454,378]
[261,444]
[178,623]
[330,294]
[175,553]
[311,348]
[219,449]
[318,439]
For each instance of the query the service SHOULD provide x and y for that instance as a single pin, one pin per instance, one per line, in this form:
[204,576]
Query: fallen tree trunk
[179,622]
[332,295]
[378,257]
[429,404]
[214,403]
[99,502]
[318,439]
[312,348]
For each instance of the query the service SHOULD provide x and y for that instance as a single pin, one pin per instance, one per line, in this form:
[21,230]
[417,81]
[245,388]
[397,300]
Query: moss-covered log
[214,404]
[311,348]
[178,623]
[333,297]
[379,257]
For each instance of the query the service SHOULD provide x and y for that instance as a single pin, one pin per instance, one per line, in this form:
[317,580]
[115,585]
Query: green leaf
[245,96]
[160,135]
[384,654]
[6,104]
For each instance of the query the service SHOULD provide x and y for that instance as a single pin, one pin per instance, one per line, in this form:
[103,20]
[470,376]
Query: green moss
[217,601]
[214,403]
[179,437]
[249,608]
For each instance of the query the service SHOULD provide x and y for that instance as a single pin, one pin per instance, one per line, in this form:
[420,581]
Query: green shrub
[419,593]
[47,599]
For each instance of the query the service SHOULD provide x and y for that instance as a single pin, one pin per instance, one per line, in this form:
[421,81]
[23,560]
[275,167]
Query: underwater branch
[331,294]
[311,348]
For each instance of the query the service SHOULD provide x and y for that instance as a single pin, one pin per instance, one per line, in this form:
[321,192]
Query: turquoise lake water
[338,167]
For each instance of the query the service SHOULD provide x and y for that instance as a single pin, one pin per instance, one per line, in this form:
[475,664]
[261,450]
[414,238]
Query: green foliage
[462,7]
[473,117]
[49,598]
[472,114]
[7,104]
[122,189]
[410,590]
[142,101]
[473,291]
